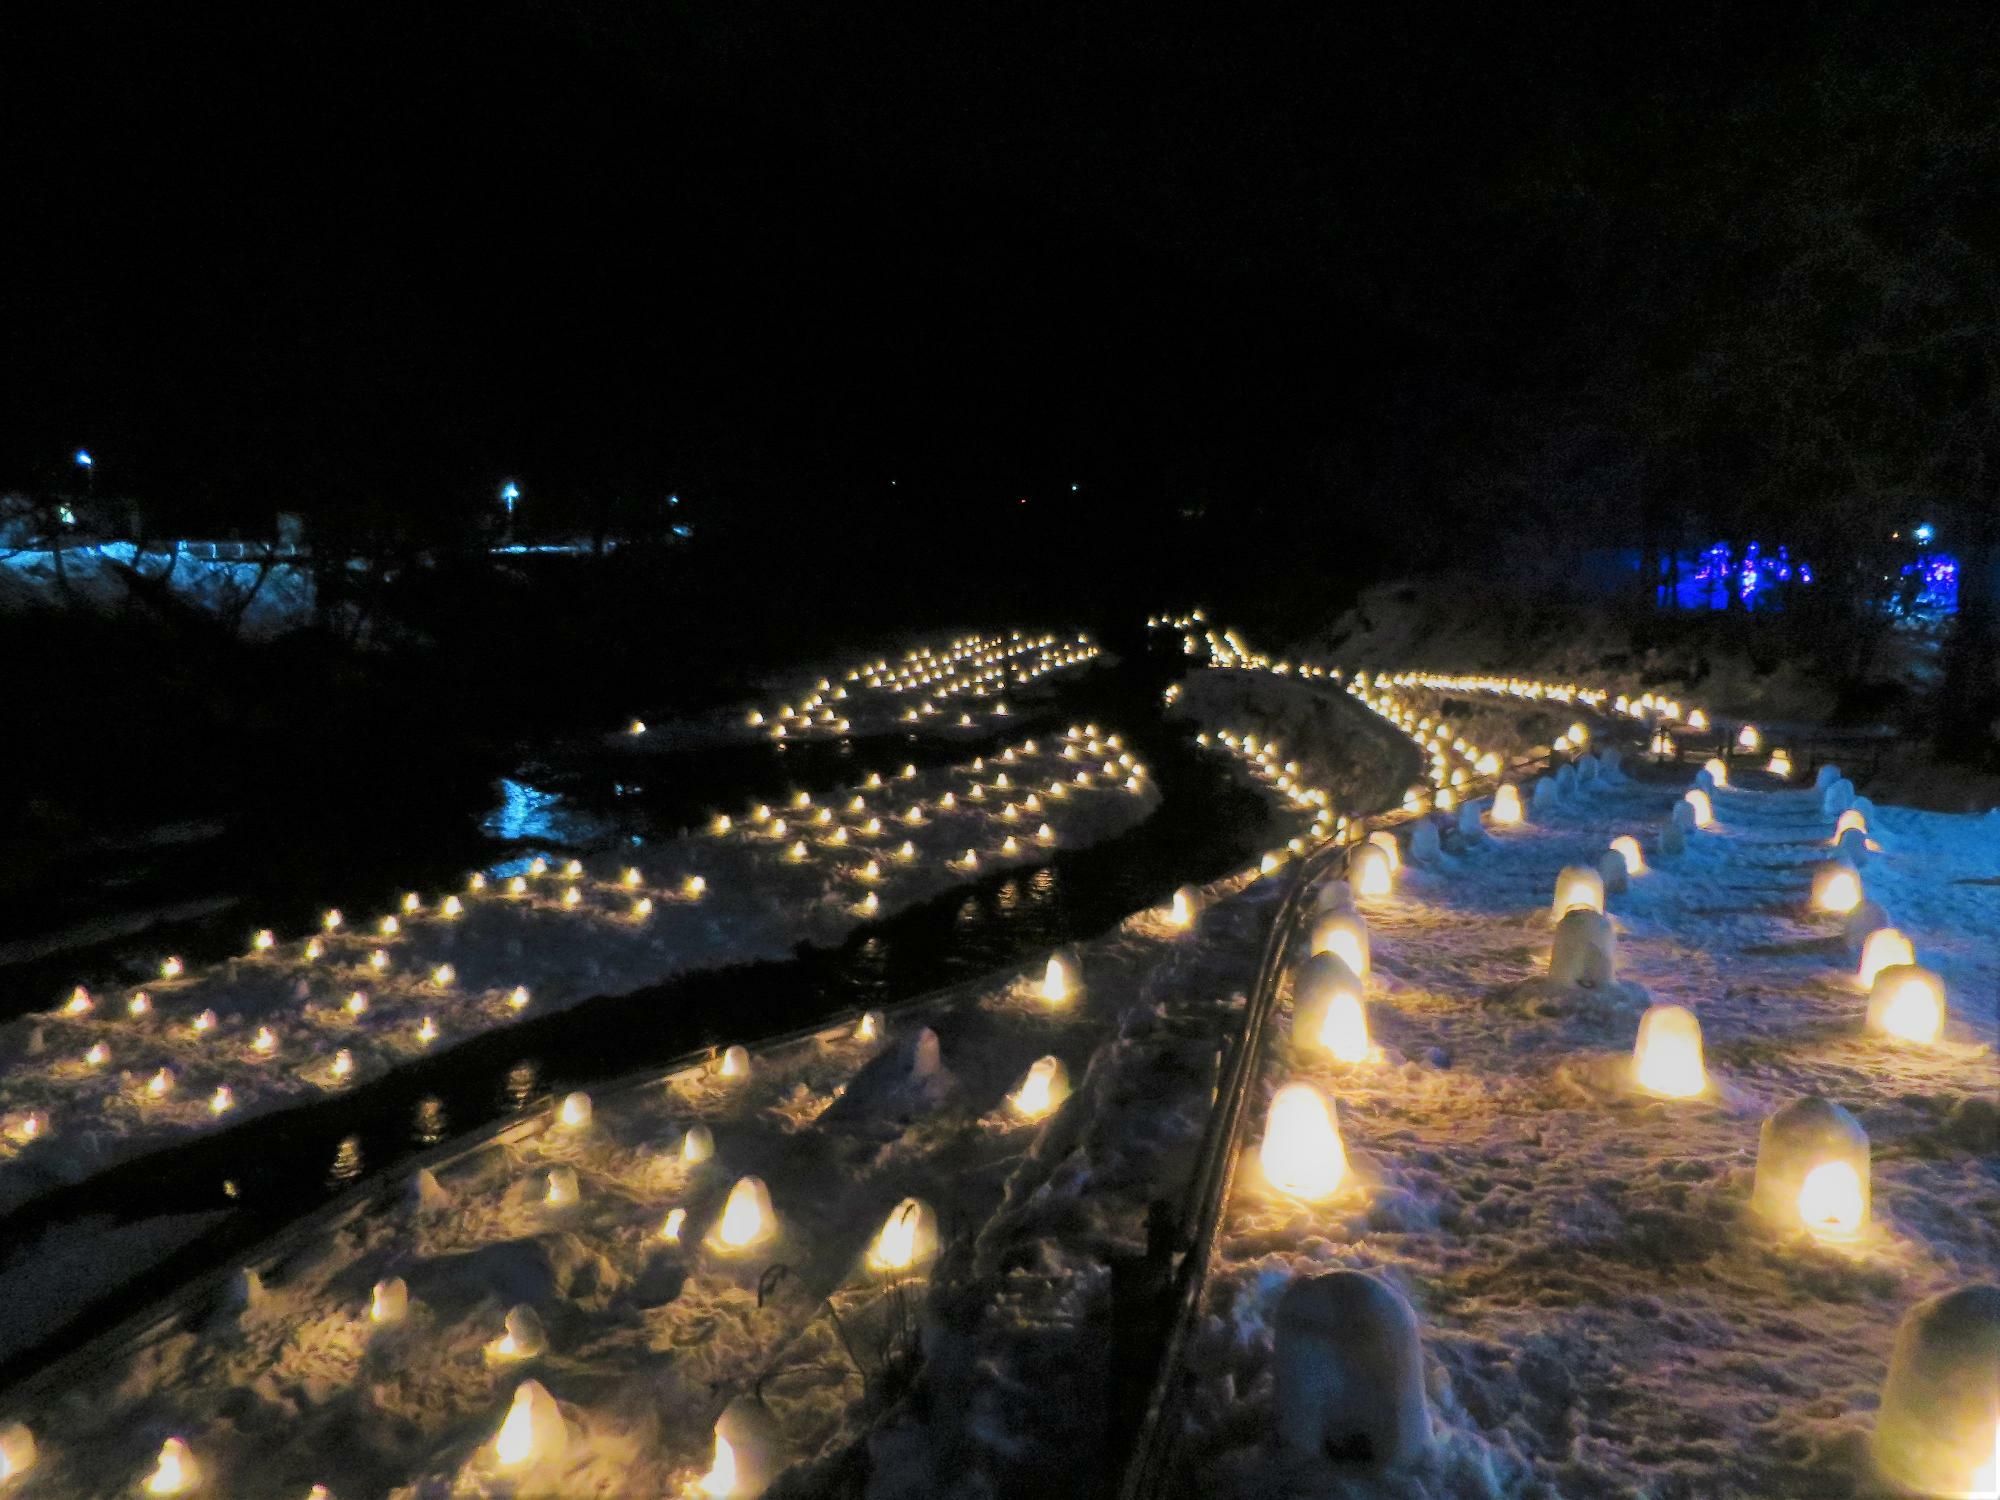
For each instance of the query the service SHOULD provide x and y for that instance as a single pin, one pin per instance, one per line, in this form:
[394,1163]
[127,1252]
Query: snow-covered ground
[269,600]
[112,1075]
[971,684]
[1601,1314]
[647,1336]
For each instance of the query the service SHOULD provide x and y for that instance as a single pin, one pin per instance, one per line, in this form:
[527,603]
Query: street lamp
[510,493]
[89,466]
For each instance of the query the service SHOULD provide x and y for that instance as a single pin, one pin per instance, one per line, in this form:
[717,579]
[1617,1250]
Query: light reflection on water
[348,1162]
[520,1083]
[431,1123]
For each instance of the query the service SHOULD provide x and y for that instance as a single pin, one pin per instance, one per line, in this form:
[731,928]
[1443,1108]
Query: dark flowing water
[272,1169]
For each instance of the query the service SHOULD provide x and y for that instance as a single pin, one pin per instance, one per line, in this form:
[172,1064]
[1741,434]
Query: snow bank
[109,1076]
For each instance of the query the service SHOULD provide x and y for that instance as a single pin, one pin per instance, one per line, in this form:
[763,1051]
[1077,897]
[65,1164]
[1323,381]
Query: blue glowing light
[1924,532]
[673,499]
[83,458]
[509,493]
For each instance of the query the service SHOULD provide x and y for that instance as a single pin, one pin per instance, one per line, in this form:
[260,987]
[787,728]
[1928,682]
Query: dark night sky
[762,252]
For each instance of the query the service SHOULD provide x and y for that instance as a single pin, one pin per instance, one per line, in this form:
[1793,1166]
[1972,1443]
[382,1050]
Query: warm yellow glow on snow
[1302,1154]
[1667,1058]
[175,1470]
[1907,1002]
[1830,1201]
[1884,947]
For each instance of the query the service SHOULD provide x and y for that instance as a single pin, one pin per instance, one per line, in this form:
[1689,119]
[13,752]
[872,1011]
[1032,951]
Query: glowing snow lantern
[1718,770]
[571,896]
[390,1302]
[1937,1431]
[332,919]
[1628,849]
[265,1041]
[452,906]
[1369,871]
[697,1146]
[17,1452]
[642,908]
[869,1027]
[694,887]
[1386,841]
[444,976]
[139,1004]
[1181,910]
[575,1110]
[1578,887]
[1302,1155]
[174,1472]
[161,1083]
[1836,887]
[1062,979]
[521,1335]
[671,1226]
[1852,818]
[1906,1001]
[221,1101]
[1338,1023]
[747,1217]
[1507,805]
[1045,835]
[562,1188]
[517,886]
[389,926]
[1884,948]
[749,1452]
[518,997]
[427,1031]
[476,881]
[908,1239]
[1780,764]
[1667,1057]
[79,1002]
[1701,810]
[1343,934]
[357,1003]
[1043,1089]
[378,960]
[534,1432]
[98,1055]
[736,1062]
[720,826]
[264,941]
[1812,1169]
[343,1063]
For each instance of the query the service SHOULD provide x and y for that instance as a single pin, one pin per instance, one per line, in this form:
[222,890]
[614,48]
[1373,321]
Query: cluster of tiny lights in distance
[980,667]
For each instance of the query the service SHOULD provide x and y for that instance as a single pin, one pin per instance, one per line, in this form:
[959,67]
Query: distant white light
[83,458]
[1923,533]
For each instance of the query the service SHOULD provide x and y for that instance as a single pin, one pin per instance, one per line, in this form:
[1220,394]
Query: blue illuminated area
[1935,577]
[1723,579]
[529,814]
[83,459]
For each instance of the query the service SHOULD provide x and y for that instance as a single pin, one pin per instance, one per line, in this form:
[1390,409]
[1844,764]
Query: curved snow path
[1601,1316]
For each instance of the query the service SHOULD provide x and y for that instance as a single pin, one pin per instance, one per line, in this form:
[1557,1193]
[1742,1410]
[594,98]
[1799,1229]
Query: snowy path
[1601,1316]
